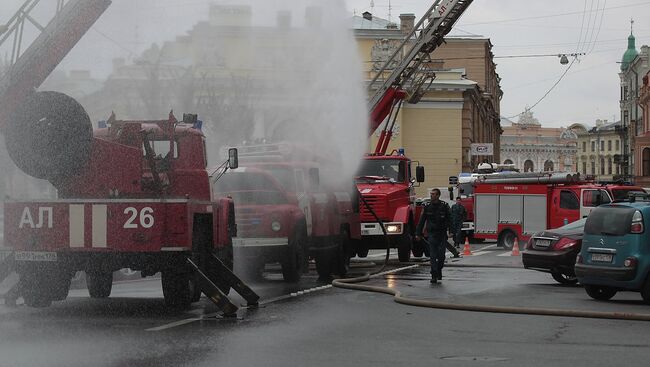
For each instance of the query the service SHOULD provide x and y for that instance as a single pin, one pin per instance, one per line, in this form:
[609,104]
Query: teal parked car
[615,254]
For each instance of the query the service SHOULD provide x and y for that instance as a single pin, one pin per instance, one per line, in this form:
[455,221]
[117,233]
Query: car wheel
[564,279]
[600,293]
[645,291]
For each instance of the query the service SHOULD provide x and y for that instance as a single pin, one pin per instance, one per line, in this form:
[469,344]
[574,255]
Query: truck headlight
[394,228]
[276,226]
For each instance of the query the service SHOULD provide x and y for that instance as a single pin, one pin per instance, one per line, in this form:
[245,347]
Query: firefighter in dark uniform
[437,218]
[458,216]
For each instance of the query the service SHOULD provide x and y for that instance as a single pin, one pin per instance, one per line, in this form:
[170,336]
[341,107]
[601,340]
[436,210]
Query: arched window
[646,161]
[529,166]
[548,165]
[507,161]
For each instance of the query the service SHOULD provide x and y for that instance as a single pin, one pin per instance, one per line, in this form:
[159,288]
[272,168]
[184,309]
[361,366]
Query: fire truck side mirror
[419,173]
[233,158]
[314,177]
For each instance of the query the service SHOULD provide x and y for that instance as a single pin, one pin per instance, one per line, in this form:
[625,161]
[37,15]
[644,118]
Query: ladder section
[412,69]
[216,279]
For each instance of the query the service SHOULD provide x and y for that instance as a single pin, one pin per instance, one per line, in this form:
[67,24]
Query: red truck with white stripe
[515,206]
[132,194]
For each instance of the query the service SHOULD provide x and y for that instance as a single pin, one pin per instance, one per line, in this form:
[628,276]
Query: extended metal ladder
[215,281]
[413,70]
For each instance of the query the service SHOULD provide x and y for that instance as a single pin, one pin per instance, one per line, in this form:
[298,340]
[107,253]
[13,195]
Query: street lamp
[565,60]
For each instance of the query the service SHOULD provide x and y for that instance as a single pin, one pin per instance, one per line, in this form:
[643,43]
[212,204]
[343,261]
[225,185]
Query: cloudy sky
[598,28]
[588,91]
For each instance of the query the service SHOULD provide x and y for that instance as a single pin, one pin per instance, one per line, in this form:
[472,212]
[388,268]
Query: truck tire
[178,288]
[507,239]
[293,260]
[99,284]
[35,290]
[600,293]
[405,244]
[324,261]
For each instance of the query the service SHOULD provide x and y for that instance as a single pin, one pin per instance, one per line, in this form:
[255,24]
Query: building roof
[370,21]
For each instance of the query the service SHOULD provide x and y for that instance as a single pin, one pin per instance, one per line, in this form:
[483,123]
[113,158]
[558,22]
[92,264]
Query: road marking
[489,247]
[479,253]
[507,253]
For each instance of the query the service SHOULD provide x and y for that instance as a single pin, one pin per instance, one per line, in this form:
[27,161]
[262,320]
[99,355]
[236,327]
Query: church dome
[630,54]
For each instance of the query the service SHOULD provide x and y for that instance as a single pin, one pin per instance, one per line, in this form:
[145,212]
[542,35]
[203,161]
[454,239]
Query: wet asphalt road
[335,327]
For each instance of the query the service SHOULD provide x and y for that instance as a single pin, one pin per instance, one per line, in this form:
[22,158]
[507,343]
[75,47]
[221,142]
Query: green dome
[630,54]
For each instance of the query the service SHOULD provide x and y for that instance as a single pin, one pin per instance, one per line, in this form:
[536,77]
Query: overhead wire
[602,15]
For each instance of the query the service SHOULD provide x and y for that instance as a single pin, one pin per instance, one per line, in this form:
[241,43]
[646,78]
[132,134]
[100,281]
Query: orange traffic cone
[515,248]
[466,250]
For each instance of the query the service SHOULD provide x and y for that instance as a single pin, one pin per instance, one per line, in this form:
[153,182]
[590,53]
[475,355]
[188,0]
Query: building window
[593,167]
[618,145]
[507,161]
[609,166]
[609,145]
[584,168]
[584,146]
[646,161]
[548,165]
[602,166]
[618,169]
[593,146]
[529,166]
[602,145]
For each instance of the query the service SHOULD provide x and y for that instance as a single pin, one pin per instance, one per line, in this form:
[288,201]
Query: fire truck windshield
[383,169]
[247,188]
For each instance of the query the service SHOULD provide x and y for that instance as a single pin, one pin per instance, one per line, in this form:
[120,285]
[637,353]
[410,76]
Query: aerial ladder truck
[121,203]
[385,182]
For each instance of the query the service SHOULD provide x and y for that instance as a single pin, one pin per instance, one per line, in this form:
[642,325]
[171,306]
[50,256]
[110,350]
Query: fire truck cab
[286,213]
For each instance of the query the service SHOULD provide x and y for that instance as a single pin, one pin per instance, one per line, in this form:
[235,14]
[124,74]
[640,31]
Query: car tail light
[637,223]
[630,262]
[579,259]
[565,243]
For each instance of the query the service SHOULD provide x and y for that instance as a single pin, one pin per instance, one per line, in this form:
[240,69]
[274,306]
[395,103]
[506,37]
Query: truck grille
[248,221]
[377,203]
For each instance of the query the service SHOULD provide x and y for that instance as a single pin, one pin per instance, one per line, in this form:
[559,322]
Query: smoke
[297,79]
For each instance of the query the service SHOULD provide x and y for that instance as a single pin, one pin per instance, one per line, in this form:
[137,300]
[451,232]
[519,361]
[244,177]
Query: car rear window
[609,220]
[622,194]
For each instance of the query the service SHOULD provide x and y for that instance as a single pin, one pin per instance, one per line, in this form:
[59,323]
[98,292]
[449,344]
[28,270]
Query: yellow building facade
[459,108]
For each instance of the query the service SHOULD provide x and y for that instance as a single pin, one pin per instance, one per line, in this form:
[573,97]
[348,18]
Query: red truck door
[565,207]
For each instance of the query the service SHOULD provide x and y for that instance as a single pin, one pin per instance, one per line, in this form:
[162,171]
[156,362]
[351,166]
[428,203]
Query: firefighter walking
[437,218]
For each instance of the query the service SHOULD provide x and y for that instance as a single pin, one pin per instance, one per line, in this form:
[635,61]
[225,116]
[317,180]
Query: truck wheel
[563,278]
[404,245]
[600,293]
[178,288]
[362,251]
[324,261]
[99,284]
[293,260]
[36,292]
[507,239]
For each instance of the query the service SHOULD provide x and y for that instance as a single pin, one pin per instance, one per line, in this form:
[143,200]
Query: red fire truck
[286,212]
[385,181]
[132,194]
[517,205]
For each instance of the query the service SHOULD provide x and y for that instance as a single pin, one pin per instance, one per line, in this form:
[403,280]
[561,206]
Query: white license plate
[605,258]
[542,243]
[34,256]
